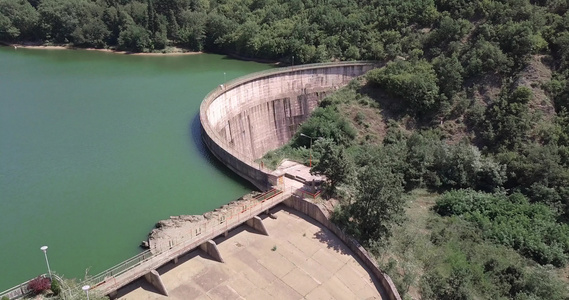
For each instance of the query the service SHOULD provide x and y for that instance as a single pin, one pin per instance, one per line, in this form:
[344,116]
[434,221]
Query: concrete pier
[210,247]
[154,279]
[257,224]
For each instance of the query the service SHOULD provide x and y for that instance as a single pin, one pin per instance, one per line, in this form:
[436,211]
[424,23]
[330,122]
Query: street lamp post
[86,288]
[44,249]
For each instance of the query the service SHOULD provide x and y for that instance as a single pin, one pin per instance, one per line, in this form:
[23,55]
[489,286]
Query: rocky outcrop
[177,229]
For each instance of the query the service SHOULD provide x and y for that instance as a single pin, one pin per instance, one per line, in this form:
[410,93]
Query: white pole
[44,249]
[86,288]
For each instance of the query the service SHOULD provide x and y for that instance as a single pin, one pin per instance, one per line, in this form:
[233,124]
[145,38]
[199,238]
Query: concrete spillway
[252,115]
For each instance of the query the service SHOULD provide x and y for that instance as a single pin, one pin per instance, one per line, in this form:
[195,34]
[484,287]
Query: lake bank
[175,50]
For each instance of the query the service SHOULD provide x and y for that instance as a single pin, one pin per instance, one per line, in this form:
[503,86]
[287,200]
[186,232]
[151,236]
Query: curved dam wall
[249,116]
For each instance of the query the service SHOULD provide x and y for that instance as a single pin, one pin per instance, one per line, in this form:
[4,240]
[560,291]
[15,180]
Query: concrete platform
[299,260]
[299,171]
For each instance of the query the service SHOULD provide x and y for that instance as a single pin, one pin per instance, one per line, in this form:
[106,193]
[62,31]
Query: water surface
[97,147]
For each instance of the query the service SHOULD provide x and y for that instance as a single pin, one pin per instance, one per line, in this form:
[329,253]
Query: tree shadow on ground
[332,242]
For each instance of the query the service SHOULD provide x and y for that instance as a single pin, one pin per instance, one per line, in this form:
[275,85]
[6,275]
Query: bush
[39,284]
[508,120]
[530,229]
[415,83]
[55,287]
[5,298]
[325,122]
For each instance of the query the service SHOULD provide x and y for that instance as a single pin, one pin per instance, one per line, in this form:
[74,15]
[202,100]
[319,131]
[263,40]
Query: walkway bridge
[142,264]
[202,234]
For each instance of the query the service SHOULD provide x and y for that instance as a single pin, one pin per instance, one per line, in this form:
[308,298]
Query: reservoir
[95,148]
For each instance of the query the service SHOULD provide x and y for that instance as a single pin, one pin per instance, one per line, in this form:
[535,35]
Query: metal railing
[22,290]
[142,263]
[139,265]
[17,291]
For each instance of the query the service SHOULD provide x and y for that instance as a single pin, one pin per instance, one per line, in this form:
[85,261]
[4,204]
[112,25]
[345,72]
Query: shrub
[39,284]
[415,83]
[529,228]
[5,298]
[55,287]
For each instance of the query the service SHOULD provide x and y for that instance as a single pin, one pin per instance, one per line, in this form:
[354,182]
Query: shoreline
[69,47]
[178,51]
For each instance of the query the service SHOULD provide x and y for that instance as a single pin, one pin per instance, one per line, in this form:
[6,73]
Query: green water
[95,148]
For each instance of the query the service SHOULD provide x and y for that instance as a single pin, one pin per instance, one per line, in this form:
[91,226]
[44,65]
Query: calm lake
[95,148]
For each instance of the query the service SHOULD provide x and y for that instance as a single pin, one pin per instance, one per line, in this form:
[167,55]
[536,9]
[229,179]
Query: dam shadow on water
[195,132]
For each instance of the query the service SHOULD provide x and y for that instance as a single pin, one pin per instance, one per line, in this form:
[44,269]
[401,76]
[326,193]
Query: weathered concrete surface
[308,262]
[245,119]
[257,224]
[154,279]
[210,247]
[322,216]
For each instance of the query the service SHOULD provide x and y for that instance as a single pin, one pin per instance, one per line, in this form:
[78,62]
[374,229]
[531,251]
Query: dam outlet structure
[245,118]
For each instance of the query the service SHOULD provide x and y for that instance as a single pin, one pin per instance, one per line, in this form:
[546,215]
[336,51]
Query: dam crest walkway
[138,266]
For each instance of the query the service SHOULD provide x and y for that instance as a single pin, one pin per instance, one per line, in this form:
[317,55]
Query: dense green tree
[462,166]
[93,33]
[333,162]
[219,28]
[137,12]
[59,18]
[326,122]
[134,38]
[539,172]
[378,205]
[448,30]
[18,20]
[485,57]
[508,120]
[490,37]
[415,83]
[449,75]
[519,40]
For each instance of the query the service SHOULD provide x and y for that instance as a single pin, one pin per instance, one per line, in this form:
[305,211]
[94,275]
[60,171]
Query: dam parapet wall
[252,115]
[318,213]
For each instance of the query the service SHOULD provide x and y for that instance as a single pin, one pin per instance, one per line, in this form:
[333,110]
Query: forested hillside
[493,223]
[500,34]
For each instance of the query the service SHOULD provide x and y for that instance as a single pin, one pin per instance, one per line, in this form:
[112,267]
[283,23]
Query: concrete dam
[241,121]
[245,118]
